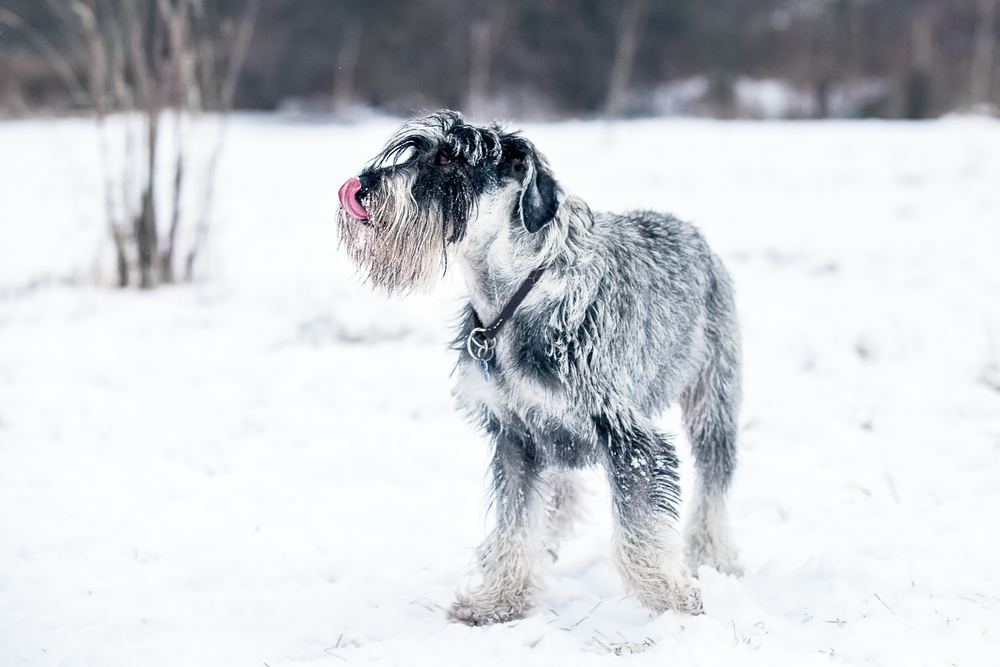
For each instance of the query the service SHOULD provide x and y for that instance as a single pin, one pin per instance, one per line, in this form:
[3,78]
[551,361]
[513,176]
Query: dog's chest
[555,425]
[511,385]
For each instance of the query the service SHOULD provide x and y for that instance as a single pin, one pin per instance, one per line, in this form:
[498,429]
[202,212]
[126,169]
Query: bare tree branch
[239,54]
[176,19]
[621,70]
[236,60]
[98,80]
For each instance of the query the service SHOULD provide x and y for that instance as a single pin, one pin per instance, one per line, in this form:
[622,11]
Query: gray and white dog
[581,327]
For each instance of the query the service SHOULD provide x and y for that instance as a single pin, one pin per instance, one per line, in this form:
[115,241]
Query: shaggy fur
[633,313]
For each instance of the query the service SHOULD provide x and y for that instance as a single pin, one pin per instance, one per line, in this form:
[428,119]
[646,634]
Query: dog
[581,327]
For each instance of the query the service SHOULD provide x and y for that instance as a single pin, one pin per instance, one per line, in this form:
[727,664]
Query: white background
[266,468]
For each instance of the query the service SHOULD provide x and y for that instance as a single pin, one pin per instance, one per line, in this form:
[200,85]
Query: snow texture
[266,468]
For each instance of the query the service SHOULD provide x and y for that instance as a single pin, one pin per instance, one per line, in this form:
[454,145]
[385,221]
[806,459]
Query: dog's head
[441,183]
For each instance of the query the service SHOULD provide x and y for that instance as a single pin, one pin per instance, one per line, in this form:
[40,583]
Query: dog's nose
[366,184]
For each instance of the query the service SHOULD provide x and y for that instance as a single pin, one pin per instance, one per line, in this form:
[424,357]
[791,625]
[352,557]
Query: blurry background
[549,58]
[160,77]
[247,457]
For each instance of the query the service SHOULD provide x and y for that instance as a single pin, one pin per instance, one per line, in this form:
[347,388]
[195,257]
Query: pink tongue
[348,198]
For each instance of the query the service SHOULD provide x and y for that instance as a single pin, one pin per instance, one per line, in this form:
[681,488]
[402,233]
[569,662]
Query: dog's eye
[442,158]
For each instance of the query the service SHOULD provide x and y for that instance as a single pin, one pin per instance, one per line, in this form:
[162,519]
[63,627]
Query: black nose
[367,182]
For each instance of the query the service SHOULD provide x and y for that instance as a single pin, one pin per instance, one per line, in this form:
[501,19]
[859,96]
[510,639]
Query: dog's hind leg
[711,407]
[510,556]
[642,467]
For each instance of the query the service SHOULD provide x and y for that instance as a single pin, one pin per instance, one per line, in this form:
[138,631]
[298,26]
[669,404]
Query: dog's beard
[402,246]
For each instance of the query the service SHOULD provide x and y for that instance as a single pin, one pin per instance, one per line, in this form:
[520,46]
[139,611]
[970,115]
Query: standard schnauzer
[580,328]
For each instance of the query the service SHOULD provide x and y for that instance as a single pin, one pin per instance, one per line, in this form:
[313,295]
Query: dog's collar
[482,341]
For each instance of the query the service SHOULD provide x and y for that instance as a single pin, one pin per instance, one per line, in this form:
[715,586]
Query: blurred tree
[483,37]
[630,25]
[985,46]
[919,79]
[142,58]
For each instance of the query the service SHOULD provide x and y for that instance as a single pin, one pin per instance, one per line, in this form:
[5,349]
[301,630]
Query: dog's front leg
[509,557]
[642,468]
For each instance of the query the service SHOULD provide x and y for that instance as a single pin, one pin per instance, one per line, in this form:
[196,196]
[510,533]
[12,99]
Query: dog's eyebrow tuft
[420,134]
[476,144]
[439,123]
[398,146]
[469,142]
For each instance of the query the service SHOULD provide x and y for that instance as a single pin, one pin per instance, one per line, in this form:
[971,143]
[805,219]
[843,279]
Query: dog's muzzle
[349,193]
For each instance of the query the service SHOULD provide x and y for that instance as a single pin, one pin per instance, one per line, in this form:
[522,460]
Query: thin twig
[884,604]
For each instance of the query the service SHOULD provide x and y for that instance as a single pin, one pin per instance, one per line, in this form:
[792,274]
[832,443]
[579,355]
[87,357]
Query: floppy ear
[539,199]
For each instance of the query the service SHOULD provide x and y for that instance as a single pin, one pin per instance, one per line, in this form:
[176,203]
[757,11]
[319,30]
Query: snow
[265,468]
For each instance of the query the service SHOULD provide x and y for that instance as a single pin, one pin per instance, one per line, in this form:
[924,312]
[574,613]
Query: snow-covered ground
[265,468]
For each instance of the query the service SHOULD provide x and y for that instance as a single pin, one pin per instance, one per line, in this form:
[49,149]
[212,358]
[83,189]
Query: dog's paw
[478,609]
[670,593]
[717,554]
[728,565]
[685,597]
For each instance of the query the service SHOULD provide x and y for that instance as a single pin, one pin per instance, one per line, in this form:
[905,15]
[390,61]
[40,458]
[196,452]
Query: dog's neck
[492,278]
[497,256]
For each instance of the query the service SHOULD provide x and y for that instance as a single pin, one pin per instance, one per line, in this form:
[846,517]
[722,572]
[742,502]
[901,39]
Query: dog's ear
[540,194]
